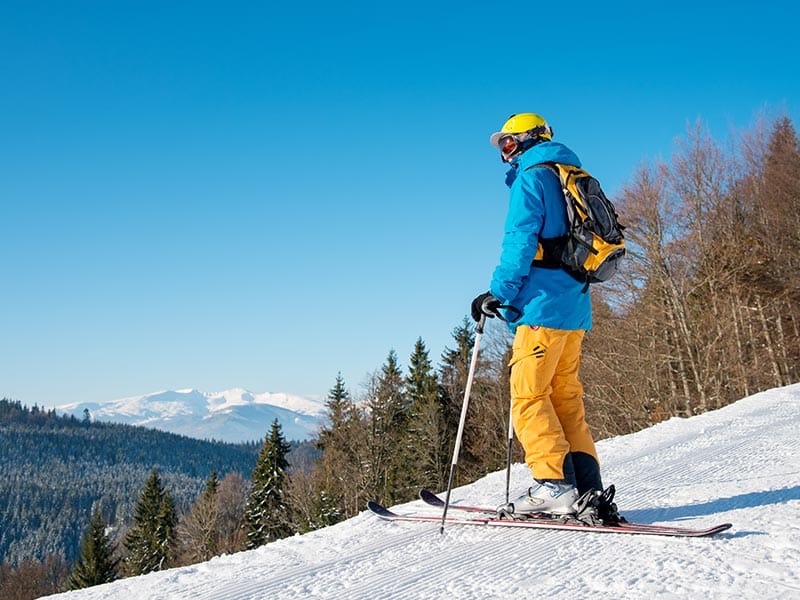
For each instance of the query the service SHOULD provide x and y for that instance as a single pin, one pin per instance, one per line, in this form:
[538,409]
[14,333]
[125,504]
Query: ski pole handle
[490,308]
[480,324]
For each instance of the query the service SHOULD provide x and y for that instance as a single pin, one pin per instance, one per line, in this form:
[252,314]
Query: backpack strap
[550,250]
[548,253]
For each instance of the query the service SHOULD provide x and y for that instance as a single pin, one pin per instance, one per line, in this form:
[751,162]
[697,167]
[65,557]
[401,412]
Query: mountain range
[234,416]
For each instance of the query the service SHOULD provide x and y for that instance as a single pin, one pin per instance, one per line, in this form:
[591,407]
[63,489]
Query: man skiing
[556,311]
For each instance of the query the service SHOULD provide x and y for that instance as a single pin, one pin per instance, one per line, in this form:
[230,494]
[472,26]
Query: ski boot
[548,497]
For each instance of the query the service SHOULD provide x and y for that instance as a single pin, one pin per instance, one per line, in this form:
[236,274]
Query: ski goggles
[510,146]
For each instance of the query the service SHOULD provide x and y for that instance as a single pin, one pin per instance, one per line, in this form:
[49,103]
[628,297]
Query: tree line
[706,311]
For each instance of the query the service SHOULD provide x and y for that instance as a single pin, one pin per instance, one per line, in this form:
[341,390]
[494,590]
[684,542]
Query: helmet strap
[541,130]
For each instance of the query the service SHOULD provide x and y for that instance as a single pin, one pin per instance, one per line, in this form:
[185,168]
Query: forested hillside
[707,307]
[55,470]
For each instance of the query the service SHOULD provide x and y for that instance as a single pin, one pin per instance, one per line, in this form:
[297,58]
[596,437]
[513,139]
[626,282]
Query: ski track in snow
[738,464]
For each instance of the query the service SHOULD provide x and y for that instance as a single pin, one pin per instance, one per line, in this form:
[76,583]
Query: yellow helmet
[530,123]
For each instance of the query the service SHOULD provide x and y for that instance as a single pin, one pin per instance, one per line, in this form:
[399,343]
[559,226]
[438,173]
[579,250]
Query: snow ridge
[235,415]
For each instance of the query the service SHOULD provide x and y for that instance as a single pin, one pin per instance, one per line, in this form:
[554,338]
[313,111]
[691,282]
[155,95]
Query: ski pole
[510,445]
[464,405]
[510,419]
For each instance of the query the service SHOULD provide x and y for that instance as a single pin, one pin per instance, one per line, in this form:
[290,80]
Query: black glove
[485,304]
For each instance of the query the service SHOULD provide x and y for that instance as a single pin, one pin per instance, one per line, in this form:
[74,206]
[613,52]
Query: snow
[738,464]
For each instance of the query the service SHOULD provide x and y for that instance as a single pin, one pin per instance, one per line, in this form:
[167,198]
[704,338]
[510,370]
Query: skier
[547,396]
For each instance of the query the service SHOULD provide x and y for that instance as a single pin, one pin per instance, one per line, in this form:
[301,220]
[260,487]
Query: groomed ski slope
[739,464]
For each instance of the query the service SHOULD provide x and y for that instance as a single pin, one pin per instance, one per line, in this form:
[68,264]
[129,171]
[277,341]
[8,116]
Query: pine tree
[150,542]
[455,362]
[339,409]
[267,513]
[325,511]
[389,401]
[426,449]
[338,474]
[212,485]
[97,563]
[388,417]
[454,371]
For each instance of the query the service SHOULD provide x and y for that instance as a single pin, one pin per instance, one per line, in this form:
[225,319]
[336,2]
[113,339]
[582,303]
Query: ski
[428,497]
[489,521]
[433,500]
[491,518]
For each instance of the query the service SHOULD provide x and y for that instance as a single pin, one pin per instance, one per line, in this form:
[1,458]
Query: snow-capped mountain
[235,415]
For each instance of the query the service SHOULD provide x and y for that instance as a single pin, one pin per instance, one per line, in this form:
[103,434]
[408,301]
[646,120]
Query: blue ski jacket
[546,297]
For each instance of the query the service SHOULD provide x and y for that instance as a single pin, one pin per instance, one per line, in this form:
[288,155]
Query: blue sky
[250,194]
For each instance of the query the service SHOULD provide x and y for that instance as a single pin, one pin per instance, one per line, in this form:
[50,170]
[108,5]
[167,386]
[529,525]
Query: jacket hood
[548,152]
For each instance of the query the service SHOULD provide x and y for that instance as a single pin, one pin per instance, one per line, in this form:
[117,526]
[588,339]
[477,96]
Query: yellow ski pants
[547,398]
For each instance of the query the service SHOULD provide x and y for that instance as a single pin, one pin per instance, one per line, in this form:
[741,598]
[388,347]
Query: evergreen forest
[57,469]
